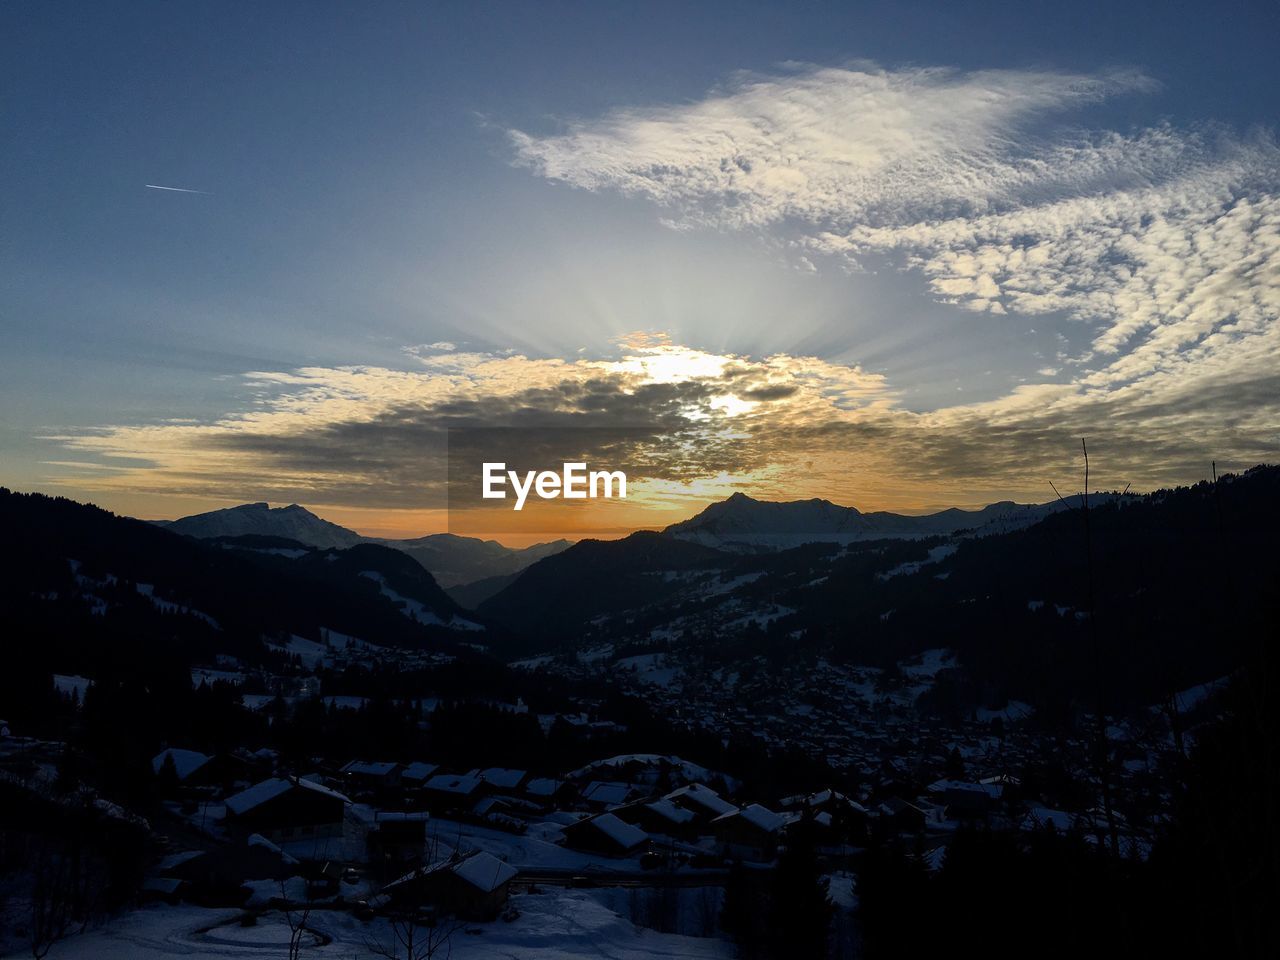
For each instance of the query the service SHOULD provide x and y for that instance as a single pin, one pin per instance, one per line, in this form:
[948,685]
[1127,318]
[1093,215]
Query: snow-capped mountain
[449,558]
[743,523]
[292,522]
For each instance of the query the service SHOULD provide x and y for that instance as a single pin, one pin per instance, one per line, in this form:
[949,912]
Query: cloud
[676,418]
[1164,241]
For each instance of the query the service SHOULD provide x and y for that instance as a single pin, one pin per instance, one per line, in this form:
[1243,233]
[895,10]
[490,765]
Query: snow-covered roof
[619,831]
[669,811]
[704,797]
[503,777]
[993,790]
[542,786]
[419,770]
[762,818]
[451,783]
[370,768]
[258,840]
[607,792]
[271,788]
[484,871]
[178,859]
[185,762]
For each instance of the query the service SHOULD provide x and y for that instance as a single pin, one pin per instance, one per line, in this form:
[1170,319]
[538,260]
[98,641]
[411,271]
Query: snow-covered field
[556,924]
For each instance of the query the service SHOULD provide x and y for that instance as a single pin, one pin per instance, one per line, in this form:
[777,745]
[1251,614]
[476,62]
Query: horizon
[792,253]
[357,523]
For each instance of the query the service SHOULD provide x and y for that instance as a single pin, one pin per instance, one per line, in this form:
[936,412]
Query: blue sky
[366,190]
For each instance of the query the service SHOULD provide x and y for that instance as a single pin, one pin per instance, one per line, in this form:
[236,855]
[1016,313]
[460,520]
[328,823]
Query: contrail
[156,186]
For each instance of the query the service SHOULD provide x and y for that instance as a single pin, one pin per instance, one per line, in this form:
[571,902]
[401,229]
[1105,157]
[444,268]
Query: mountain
[449,558]
[110,580]
[455,560]
[742,523]
[292,522]
[593,578]
[1154,593]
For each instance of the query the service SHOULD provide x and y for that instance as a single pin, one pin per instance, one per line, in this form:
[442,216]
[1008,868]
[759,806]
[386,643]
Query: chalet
[473,887]
[966,801]
[186,764]
[546,790]
[605,834]
[500,778]
[371,774]
[705,803]
[604,794]
[662,817]
[215,876]
[750,834]
[448,791]
[283,809]
[415,774]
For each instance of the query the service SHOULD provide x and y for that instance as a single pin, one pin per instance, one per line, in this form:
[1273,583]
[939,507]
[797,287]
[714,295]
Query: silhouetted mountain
[450,559]
[1156,594]
[744,524]
[84,575]
[594,577]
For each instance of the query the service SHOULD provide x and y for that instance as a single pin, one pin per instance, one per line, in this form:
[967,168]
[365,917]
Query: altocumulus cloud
[1165,241]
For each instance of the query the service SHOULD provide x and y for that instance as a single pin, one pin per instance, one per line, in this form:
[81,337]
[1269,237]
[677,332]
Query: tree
[801,908]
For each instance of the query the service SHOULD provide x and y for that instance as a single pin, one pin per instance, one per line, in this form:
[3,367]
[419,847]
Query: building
[285,809]
[705,803]
[662,817]
[372,774]
[474,886]
[750,834]
[606,834]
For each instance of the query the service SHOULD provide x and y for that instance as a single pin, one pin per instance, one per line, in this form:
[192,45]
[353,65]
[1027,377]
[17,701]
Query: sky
[902,256]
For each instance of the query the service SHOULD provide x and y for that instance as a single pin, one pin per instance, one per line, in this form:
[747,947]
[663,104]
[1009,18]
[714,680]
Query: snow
[370,768]
[66,685]
[419,770]
[415,609]
[556,925]
[702,796]
[502,778]
[165,606]
[1014,710]
[448,783]
[269,789]
[930,664]
[760,817]
[621,832]
[185,762]
[484,871]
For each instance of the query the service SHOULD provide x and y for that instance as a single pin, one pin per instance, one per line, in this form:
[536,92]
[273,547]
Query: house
[750,834]
[185,763]
[474,886]
[966,801]
[500,778]
[604,794]
[415,774]
[705,803]
[606,834]
[547,790]
[662,817]
[215,877]
[398,840]
[283,809]
[449,791]
[371,774]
